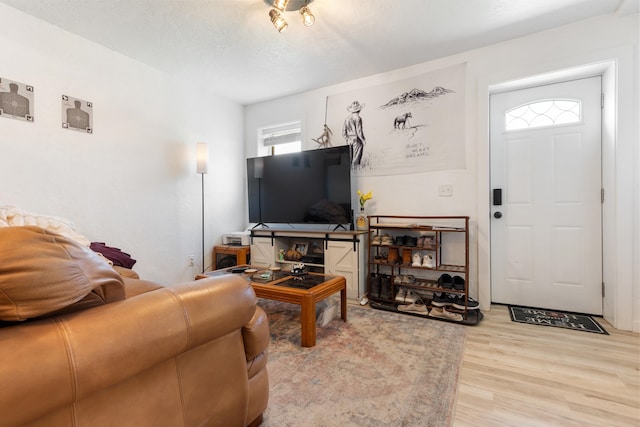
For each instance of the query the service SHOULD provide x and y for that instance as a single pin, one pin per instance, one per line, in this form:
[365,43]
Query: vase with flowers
[361,220]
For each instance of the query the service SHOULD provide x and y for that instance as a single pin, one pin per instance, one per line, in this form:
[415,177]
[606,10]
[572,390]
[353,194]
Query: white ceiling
[231,46]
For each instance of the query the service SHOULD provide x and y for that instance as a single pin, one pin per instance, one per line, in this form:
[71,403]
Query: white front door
[546,235]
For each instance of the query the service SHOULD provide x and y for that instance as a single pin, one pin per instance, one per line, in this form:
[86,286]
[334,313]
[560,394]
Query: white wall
[132,183]
[607,38]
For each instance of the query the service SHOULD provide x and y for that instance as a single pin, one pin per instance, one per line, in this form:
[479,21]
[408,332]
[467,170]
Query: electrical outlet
[445,190]
[191,259]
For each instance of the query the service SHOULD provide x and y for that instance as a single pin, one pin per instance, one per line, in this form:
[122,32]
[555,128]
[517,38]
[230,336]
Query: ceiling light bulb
[307,17]
[277,20]
[281,5]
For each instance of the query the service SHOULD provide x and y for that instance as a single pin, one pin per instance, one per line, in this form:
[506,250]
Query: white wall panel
[131,184]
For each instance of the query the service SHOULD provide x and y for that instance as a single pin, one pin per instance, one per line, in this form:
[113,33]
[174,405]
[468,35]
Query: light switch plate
[445,190]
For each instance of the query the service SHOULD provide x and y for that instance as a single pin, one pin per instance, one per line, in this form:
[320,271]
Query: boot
[374,286]
[386,293]
[406,256]
[393,256]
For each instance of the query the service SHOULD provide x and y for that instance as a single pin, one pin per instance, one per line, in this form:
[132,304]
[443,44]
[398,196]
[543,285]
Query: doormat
[559,319]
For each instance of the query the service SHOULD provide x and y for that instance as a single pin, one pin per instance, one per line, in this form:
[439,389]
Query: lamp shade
[202,157]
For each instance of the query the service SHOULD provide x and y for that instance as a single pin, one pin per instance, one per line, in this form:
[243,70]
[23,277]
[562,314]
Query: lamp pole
[202,175]
[202,166]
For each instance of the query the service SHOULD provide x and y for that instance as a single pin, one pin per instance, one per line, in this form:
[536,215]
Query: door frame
[619,181]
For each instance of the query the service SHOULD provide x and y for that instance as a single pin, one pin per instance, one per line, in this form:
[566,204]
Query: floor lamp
[202,167]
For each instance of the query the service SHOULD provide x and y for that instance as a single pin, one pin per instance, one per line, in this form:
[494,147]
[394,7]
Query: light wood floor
[524,375]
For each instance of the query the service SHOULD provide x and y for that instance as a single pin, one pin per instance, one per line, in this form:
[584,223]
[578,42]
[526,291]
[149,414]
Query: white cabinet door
[340,259]
[262,252]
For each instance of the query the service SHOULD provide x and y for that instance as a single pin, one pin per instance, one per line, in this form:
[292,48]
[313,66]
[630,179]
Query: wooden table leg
[343,304]
[308,321]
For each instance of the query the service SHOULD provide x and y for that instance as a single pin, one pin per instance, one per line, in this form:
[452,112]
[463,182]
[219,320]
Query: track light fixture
[307,17]
[277,20]
[281,5]
[278,7]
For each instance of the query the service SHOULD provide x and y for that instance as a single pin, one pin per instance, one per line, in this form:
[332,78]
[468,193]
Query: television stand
[336,253]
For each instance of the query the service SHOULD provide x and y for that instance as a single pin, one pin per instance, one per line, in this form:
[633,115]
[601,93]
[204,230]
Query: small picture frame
[301,247]
[16,100]
[77,114]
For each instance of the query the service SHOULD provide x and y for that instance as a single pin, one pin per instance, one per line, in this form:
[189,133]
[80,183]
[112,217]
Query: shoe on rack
[376,240]
[393,256]
[471,303]
[406,256]
[429,241]
[458,283]
[400,240]
[444,314]
[410,241]
[427,261]
[381,257]
[445,281]
[386,240]
[406,296]
[385,287]
[420,242]
[441,299]
[411,296]
[374,291]
[416,307]
[417,260]
[408,279]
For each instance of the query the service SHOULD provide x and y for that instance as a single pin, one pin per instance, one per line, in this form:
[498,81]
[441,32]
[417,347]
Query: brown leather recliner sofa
[81,345]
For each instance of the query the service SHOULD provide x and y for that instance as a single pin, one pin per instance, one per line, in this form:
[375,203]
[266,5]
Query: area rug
[559,319]
[378,369]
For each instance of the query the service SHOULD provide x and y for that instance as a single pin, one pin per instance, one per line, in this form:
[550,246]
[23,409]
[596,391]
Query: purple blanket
[115,255]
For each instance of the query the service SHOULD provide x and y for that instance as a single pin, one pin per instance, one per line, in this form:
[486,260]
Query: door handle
[497,215]
[497,196]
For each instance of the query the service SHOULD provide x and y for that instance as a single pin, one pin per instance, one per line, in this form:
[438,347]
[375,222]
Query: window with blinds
[280,139]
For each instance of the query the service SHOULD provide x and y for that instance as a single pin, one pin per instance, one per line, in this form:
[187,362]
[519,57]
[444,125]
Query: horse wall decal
[401,120]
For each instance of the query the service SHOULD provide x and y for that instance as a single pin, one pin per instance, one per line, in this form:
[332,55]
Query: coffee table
[305,291]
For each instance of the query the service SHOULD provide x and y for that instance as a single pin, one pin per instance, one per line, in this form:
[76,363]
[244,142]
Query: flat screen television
[310,187]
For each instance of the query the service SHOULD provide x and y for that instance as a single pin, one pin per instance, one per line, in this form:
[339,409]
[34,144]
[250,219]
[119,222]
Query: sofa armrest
[256,334]
[126,272]
[54,362]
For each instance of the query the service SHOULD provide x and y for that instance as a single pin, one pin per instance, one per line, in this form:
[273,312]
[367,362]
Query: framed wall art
[301,247]
[77,114]
[16,100]
[408,126]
